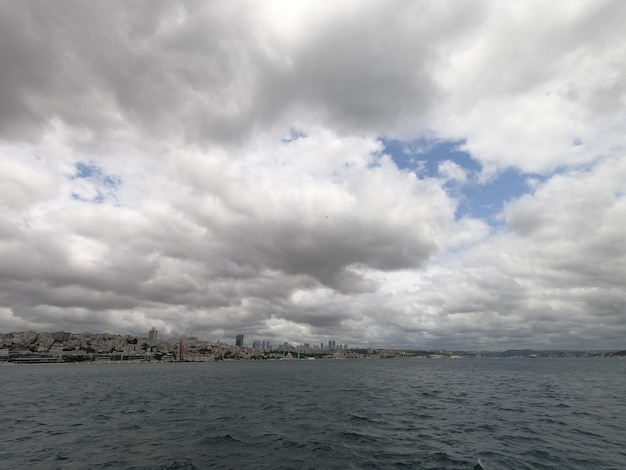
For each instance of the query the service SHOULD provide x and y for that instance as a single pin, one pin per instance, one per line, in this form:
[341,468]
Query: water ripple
[418,414]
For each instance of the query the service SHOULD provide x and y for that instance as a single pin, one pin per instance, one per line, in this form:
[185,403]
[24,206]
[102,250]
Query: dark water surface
[410,413]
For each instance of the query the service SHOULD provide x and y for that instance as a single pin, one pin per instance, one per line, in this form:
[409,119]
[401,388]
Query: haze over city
[397,174]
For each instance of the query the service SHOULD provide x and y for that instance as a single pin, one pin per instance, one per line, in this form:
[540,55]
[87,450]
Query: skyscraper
[152,335]
[239,341]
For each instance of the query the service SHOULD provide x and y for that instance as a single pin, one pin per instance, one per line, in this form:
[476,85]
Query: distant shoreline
[7,363]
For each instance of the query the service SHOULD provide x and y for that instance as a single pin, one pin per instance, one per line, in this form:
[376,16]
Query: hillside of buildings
[30,346]
[62,347]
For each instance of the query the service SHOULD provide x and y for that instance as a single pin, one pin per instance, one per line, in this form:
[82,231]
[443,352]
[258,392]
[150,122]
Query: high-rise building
[152,335]
[239,340]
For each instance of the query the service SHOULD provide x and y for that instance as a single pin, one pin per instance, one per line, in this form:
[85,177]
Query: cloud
[212,168]
[553,280]
[541,103]
[451,171]
[217,72]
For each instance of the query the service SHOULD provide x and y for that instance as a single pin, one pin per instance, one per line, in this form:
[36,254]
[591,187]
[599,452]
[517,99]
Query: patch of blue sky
[111,181]
[91,171]
[294,134]
[486,200]
[105,183]
[425,155]
[86,170]
[479,199]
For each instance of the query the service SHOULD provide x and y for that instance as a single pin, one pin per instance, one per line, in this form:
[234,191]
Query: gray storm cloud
[219,168]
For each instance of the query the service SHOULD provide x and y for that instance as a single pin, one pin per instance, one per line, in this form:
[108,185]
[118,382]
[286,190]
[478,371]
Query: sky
[410,174]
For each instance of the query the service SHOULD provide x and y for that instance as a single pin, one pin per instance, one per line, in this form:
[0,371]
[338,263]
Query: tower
[239,340]
[152,335]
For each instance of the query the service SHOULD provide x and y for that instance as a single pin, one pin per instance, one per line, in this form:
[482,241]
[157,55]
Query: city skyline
[62,346]
[441,175]
[151,339]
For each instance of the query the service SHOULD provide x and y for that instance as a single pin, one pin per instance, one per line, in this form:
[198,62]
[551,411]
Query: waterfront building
[239,340]
[152,335]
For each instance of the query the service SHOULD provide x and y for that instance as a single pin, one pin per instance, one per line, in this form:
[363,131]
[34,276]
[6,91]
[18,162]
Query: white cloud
[450,171]
[194,213]
[534,81]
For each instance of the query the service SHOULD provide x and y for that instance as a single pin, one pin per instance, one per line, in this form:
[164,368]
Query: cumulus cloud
[451,171]
[217,168]
[530,87]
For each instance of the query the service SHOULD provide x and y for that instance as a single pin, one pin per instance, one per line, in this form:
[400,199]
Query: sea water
[324,414]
